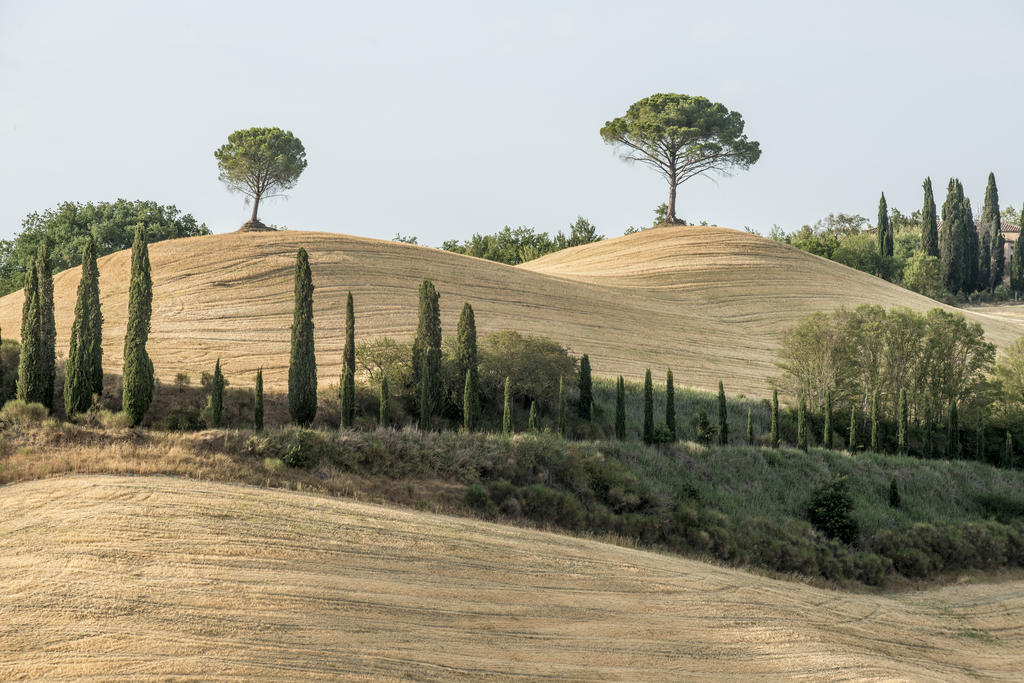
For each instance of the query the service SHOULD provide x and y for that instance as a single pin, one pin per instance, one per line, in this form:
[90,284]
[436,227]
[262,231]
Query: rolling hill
[154,578]
[711,303]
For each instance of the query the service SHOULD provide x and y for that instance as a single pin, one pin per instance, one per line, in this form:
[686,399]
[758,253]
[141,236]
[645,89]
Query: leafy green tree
[216,410]
[31,382]
[83,375]
[884,233]
[66,229]
[534,364]
[471,401]
[901,415]
[506,418]
[261,163]
[426,349]
[801,425]
[348,373]
[48,329]
[775,418]
[979,432]
[670,406]
[927,431]
[875,442]
[302,383]
[681,137]
[648,408]
[138,380]
[827,431]
[467,356]
[585,387]
[620,409]
[929,220]
[257,410]
[953,433]
[723,416]
[385,403]
[924,274]
[830,511]
[518,245]
[851,443]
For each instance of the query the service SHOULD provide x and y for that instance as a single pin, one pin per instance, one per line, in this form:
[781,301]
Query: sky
[443,119]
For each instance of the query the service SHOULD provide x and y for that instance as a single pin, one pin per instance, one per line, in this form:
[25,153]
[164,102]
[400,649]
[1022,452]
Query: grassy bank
[745,506]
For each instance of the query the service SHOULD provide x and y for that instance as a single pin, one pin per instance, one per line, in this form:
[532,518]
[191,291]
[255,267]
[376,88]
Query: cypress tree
[952,237]
[425,381]
[385,403]
[138,378]
[585,387]
[874,422]
[426,349]
[979,431]
[648,408]
[670,405]
[466,362]
[257,409]
[532,424]
[775,418]
[894,493]
[348,370]
[991,227]
[506,418]
[972,246]
[302,365]
[85,355]
[827,431]
[884,233]
[801,426]
[471,401]
[852,442]
[998,268]
[620,409]
[31,383]
[217,396]
[1017,268]
[903,426]
[723,417]
[750,426]
[953,433]
[984,261]
[561,406]
[929,222]
[48,329]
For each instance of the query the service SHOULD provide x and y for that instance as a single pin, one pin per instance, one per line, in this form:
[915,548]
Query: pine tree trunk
[670,215]
[255,208]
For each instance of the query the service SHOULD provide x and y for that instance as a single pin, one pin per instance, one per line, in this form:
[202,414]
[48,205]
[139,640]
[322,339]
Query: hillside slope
[710,302]
[153,577]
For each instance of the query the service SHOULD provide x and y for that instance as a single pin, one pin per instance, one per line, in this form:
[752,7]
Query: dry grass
[152,577]
[710,302]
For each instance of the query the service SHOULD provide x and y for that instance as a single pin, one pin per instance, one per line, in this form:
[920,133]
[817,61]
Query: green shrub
[829,511]
[21,414]
[300,448]
[182,419]
[477,498]
[98,416]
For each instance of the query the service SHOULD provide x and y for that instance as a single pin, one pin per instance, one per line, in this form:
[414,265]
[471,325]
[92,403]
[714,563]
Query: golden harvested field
[156,577]
[711,303]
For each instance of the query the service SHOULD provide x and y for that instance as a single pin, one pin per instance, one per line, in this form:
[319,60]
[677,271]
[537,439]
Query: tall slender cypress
[348,371]
[506,417]
[585,387]
[620,409]
[953,238]
[851,443]
[750,426]
[217,397]
[471,400]
[138,377]
[929,222]
[953,433]
[302,366]
[972,246]
[47,326]
[425,382]
[991,227]
[257,406]
[827,430]
[385,403]
[426,349]
[874,422]
[903,425]
[884,232]
[723,416]
[561,406]
[801,425]
[670,405]
[775,418]
[648,408]
[1017,268]
[31,383]
[998,269]
[85,354]
[466,362]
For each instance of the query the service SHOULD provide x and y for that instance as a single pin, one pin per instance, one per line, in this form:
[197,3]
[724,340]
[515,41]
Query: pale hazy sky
[441,119]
